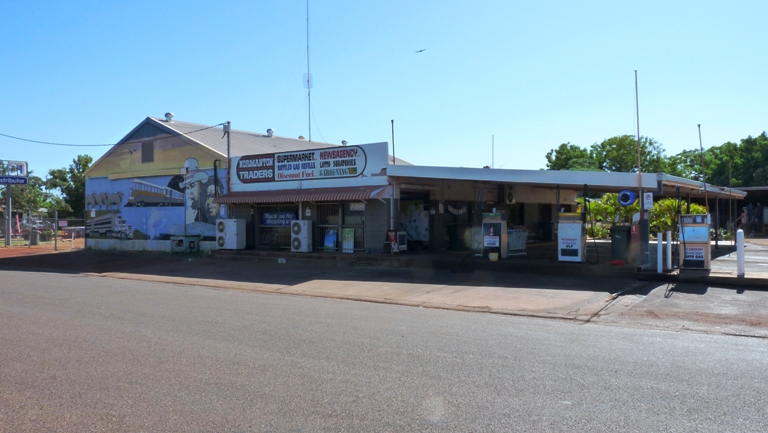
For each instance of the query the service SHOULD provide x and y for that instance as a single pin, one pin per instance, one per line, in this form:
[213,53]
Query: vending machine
[571,237]
[695,243]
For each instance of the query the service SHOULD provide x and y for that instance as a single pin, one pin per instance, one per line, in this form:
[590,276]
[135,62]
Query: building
[176,184]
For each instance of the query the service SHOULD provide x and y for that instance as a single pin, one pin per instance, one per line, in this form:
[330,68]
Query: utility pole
[8,215]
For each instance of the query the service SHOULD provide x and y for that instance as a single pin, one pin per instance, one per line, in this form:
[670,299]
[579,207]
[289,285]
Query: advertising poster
[329,243]
[348,240]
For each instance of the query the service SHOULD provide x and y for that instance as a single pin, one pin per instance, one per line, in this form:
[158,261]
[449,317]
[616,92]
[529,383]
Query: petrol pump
[494,234]
[695,243]
[571,237]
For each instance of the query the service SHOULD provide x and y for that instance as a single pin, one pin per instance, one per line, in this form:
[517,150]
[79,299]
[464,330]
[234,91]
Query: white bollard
[669,250]
[659,254]
[740,253]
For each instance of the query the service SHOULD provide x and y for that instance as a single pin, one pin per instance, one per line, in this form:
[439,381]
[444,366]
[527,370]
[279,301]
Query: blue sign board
[278,218]
[13,168]
[13,180]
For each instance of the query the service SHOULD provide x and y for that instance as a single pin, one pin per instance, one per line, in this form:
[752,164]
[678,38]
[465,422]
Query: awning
[354,193]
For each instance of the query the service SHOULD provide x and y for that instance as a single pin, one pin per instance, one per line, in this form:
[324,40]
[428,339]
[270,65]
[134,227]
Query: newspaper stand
[517,240]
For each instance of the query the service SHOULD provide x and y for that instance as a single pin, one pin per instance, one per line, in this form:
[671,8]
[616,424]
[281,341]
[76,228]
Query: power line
[109,144]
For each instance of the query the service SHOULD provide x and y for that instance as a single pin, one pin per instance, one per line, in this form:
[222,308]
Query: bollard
[669,250]
[659,254]
[740,253]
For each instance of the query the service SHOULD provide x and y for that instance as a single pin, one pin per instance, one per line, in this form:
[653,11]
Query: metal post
[56,230]
[227,129]
[717,221]
[659,252]
[669,250]
[8,215]
[393,143]
[740,253]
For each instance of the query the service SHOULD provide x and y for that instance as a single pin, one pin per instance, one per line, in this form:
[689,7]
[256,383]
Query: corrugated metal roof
[241,142]
[575,180]
[301,195]
[244,142]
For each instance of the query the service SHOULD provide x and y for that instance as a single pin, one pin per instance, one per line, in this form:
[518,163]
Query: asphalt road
[89,354]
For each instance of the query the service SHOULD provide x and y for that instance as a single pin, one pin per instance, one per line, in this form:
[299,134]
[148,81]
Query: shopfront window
[341,227]
[273,229]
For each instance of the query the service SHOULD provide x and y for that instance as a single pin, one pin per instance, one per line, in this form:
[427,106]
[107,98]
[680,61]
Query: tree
[664,214]
[71,183]
[619,154]
[686,164]
[28,198]
[570,157]
[736,164]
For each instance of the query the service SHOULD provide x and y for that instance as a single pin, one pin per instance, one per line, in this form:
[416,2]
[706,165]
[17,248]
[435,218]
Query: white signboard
[337,162]
[647,200]
[694,253]
[328,167]
[570,241]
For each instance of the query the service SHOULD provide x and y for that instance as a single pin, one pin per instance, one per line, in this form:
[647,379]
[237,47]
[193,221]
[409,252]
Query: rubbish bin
[34,237]
[620,240]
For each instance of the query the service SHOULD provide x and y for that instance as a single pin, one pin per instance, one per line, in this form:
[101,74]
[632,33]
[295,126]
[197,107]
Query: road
[82,353]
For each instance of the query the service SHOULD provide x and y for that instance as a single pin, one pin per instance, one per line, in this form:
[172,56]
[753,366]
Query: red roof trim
[355,193]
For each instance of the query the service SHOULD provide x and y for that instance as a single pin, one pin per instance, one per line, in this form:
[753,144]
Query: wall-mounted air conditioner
[230,234]
[301,236]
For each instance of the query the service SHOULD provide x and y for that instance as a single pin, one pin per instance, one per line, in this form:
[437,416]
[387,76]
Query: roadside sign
[13,180]
[647,200]
[13,172]
[63,223]
[13,168]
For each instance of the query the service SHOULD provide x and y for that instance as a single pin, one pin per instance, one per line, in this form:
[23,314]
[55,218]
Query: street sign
[13,180]
[647,200]
[13,168]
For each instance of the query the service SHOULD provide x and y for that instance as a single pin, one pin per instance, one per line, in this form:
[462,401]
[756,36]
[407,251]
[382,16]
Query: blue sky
[532,75]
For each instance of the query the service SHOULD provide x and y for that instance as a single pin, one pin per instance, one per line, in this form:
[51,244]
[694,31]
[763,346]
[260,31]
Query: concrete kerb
[289,290]
[755,283]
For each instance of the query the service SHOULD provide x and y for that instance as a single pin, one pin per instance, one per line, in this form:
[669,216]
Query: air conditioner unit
[301,236]
[230,234]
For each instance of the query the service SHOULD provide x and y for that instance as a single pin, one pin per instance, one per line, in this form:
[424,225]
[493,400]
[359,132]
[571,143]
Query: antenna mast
[308,82]
[703,170]
[639,158]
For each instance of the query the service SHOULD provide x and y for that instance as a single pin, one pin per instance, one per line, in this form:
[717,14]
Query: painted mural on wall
[155,208]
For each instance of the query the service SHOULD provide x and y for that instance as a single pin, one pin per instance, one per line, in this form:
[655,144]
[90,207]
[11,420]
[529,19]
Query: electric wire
[106,144]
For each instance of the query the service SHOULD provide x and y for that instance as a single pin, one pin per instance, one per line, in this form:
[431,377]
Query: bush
[599,231]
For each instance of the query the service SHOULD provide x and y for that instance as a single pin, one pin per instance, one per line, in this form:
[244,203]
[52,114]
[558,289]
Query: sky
[499,83]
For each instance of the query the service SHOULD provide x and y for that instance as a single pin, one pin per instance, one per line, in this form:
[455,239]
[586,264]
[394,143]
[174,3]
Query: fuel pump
[571,237]
[494,233]
[695,242]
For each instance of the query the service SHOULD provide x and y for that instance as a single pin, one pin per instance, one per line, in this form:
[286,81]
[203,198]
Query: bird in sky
[421,51]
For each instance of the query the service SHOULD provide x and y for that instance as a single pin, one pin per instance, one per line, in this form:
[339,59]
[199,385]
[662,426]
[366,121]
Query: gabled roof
[241,142]
[213,138]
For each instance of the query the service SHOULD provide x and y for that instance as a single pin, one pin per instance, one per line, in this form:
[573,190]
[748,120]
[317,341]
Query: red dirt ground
[63,245]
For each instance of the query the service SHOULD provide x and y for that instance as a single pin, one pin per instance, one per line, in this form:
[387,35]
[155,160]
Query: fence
[39,233]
